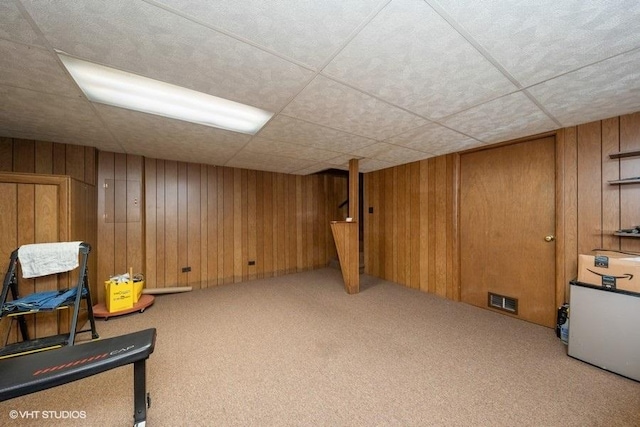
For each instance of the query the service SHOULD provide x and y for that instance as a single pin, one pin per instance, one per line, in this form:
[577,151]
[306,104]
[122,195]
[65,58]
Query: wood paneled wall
[119,216]
[594,209]
[22,155]
[214,220]
[411,236]
[50,158]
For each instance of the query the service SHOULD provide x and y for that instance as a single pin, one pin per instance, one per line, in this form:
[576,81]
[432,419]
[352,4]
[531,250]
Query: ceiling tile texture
[384,81]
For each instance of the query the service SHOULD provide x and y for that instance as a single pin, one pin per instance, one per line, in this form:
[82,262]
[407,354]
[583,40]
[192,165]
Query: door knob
[549,238]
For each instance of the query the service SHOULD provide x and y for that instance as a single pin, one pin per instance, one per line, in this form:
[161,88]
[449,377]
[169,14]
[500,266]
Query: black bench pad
[39,371]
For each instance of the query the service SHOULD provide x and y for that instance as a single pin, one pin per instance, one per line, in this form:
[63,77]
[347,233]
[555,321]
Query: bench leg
[140,393]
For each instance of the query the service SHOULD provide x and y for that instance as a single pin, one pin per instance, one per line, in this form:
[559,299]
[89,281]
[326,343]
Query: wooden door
[507,214]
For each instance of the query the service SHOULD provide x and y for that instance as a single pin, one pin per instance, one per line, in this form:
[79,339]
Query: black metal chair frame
[31,345]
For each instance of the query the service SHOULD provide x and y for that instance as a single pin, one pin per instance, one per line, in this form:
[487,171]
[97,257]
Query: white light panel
[126,90]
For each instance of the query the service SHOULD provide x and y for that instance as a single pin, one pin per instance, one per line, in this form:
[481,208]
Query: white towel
[42,259]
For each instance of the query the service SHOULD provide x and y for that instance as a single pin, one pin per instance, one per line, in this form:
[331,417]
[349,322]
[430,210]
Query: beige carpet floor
[298,351]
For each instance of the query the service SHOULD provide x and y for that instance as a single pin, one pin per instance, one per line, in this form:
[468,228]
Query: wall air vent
[501,302]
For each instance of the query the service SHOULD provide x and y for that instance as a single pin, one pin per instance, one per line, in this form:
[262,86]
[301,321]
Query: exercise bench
[40,371]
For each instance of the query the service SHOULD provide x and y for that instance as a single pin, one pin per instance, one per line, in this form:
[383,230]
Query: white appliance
[604,328]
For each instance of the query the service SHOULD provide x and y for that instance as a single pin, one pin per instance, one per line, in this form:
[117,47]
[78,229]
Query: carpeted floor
[298,351]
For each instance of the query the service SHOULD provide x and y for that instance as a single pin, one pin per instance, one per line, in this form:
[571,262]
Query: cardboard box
[118,296]
[616,254]
[610,270]
[137,290]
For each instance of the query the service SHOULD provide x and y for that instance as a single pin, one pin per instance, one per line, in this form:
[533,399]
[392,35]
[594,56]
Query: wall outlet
[252,263]
[186,269]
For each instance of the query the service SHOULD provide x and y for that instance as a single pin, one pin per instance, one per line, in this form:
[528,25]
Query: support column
[354,190]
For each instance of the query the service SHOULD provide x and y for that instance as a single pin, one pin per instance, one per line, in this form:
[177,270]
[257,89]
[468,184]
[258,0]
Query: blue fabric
[47,300]
[64,297]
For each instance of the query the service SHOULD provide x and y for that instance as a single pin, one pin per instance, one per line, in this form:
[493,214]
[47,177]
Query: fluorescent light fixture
[125,90]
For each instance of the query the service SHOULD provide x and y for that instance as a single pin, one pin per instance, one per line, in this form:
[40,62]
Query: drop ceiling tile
[512,116]
[332,104]
[285,128]
[609,88]
[392,154]
[267,146]
[308,31]
[538,40]
[13,26]
[27,134]
[33,68]
[267,162]
[309,170]
[58,136]
[157,137]
[372,151]
[360,108]
[147,40]
[342,161]
[69,120]
[435,139]
[411,57]
[370,165]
